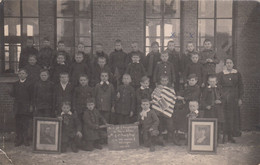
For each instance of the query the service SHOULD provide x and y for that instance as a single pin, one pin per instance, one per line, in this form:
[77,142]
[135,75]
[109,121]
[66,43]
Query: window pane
[223,40]
[205,30]
[30,8]
[153,27]
[65,8]
[224,9]
[83,27]
[12,8]
[172,30]
[206,9]
[65,27]
[12,27]
[31,28]
[153,9]
[172,8]
[83,8]
[12,55]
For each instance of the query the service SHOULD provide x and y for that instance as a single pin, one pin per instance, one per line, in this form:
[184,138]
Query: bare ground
[245,152]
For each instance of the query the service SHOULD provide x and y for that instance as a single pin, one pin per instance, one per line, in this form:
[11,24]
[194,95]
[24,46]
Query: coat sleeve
[101,118]
[203,99]
[215,58]
[173,73]
[155,121]
[89,123]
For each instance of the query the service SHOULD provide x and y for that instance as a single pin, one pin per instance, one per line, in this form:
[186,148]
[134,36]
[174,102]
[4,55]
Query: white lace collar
[229,72]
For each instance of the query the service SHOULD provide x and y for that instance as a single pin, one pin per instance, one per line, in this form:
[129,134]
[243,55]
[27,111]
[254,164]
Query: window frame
[74,18]
[162,18]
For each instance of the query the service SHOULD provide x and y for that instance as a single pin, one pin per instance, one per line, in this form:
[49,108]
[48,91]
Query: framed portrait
[46,135]
[202,135]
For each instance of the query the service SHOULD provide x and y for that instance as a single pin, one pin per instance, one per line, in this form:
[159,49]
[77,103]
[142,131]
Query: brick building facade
[125,20]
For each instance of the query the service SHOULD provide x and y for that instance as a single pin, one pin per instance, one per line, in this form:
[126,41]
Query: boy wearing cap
[136,70]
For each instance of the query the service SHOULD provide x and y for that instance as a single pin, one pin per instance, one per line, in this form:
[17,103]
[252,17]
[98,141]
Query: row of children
[122,104]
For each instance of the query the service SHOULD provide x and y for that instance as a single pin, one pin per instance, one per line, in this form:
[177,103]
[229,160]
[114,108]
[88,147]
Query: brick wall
[118,19]
[247,48]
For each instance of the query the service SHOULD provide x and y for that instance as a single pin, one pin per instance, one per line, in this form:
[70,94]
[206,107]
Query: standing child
[164,68]
[63,91]
[99,67]
[86,57]
[186,58]
[135,50]
[211,103]
[209,59]
[149,124]
[61,50]
[125,101]
[43,95]
[46,54]
[174,58]
[22,93]
[118,62]
[58,68]
[92,128]
[151,61]
[26,52]
[144,92]
[81,94]
[99,53]
[105,96]
[71,128]
[77,68]
[194,67]
[33,69]
[136,70]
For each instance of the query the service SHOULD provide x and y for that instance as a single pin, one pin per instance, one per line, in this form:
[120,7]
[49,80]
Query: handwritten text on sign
[122,137]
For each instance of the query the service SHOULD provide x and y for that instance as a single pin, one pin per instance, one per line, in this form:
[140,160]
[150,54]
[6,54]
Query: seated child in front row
[92,128]
[125,101]
[149,125]
[71,128]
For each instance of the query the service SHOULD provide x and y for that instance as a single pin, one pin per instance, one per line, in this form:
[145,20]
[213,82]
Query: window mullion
[162,25]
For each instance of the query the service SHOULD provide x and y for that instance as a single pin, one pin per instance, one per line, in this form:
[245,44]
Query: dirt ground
[245,152]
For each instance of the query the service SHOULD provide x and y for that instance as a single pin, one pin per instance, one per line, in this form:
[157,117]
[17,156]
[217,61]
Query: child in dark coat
[135,50]
[164,68]
[92,128]
[22,93]
[151,61]
[118,62]
[46,55]
[81,94]
[99,67]
[33,69]
[144,92]
[194,67]
[186,57]
[58,68]
[71,128]
[136,70]
[105,97]
[63,91]
[208,58]
[149,124]
[43,95]
[77,68]
[211,103]
[99,53]
[26,52]
[125,101]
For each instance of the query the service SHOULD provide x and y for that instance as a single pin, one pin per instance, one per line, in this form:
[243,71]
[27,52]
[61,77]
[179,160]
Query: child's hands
[79,134]
[208,107]
[217,102]
[131,113]
[118,95]
[60,118]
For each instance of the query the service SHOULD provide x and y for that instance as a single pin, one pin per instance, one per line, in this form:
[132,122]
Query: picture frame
[46,135]
[202,136]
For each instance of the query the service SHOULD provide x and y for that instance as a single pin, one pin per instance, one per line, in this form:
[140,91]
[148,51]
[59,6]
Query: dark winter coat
[209,67]
[126,102]
[141,55]
[96,72]
[118,59]
[91,122]
[56,70]
[151,61]
[142,94]
[33,72]
[136,71]
[45,57]
[25,53]
[22,93]
[76,70]
[164,68]
[151,121]
[80,96]
[195,68]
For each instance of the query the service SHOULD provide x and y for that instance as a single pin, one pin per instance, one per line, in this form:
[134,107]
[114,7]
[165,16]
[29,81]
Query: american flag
[164,99]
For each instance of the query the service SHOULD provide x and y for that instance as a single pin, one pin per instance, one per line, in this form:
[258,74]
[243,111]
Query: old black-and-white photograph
[129,82]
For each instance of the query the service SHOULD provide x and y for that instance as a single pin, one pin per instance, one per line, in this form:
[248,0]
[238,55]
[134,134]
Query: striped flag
[163,99]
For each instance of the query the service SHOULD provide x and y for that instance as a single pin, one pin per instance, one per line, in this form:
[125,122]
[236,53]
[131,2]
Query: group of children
[88,93]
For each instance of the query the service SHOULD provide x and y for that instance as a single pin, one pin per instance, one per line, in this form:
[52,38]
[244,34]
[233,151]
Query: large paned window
[21,20]
[215,23]
[74,23]
[162,23]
